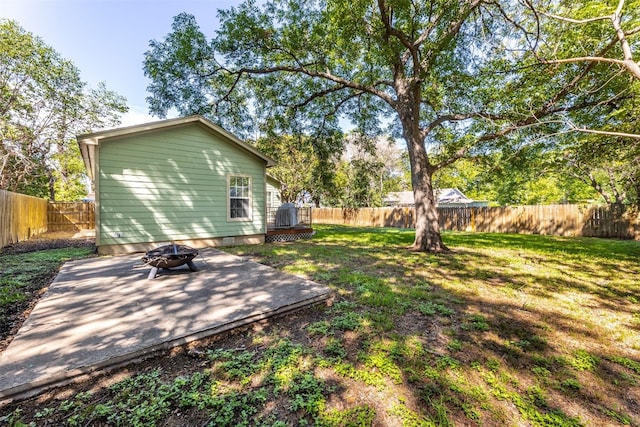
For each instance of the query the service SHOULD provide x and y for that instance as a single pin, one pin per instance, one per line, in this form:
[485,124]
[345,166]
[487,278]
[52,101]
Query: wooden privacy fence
[366,217]
[561,220]
[21,217]
[71,216]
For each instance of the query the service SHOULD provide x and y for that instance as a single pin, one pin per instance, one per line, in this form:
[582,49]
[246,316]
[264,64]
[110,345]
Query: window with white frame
[239,197]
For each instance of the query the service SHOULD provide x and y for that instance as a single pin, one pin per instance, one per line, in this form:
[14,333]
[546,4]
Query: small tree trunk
[52,188]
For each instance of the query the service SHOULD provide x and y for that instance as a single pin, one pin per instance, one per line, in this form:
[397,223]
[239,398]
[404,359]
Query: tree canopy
[453,78]
[43,105]
[299,168]
[607,31]
[599,146]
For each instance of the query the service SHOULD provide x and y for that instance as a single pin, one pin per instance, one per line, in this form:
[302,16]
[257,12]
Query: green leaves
[453,78]
[43,105]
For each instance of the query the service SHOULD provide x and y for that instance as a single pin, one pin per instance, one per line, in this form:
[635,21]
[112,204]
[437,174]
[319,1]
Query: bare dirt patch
[54,240]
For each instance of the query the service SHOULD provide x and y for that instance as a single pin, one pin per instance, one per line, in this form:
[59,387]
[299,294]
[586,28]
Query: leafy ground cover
[505,330]
[26,270]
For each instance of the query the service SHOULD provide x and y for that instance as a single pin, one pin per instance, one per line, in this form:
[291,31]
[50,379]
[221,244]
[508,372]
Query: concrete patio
[102,312]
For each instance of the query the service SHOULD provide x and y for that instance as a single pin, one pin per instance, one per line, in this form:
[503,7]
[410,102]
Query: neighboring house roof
[398,198]
[89,142]
[443,196]
[451,195]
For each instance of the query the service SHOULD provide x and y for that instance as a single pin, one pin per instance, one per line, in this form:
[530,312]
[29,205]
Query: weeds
[24,275]
[506,330]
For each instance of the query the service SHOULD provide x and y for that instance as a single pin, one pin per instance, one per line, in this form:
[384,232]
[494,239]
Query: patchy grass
[23,276]
[505,330]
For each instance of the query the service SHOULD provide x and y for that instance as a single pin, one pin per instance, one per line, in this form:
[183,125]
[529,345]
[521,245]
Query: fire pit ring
[169,256]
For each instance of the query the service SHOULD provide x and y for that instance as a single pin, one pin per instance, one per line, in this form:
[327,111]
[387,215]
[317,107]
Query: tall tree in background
[524,177]
[304,173]
[609,165]
[43,105]
[368,169]
[601,38]
[295,162]
[454,77]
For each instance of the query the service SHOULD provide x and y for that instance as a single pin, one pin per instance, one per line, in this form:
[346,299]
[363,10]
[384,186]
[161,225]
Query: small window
[239,197]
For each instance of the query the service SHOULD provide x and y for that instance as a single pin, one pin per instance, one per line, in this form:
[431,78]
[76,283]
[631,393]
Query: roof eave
[87,150]
[89,141]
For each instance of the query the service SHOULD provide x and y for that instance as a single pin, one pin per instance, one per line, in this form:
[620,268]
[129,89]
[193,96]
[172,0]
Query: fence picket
[71,216]
[21,217]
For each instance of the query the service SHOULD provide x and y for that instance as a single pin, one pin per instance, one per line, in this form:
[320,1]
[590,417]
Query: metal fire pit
[169,256]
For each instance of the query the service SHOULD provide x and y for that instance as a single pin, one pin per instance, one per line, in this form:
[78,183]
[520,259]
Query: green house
[181,180]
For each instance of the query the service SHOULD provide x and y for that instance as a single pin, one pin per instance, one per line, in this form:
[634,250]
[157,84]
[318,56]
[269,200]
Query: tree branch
[451,32]
[604,132]
[319,94]
[389,28]
[632,31]
[412,50]
[620,36]
[574,21]
[629,63]
[452,159]
[321,75]
[232,88]
[519,26]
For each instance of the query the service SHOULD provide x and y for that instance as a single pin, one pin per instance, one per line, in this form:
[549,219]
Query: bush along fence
[614,221]
[21,217]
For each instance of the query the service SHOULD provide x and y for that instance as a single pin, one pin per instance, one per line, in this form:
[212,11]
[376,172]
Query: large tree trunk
[428,238]
[408,107]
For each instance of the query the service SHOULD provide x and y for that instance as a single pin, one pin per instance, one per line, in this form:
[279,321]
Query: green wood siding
[171,184]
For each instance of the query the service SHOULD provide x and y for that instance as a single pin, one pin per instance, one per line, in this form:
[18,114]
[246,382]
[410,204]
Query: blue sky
[106,39]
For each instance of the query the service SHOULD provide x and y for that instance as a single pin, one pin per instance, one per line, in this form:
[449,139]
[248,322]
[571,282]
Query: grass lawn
[505,330]
[22,278]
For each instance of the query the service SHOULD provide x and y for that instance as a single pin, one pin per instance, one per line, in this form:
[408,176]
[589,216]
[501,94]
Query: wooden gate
[71,216]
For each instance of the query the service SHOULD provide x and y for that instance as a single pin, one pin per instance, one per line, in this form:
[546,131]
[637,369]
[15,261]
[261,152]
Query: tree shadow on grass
[519,339]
